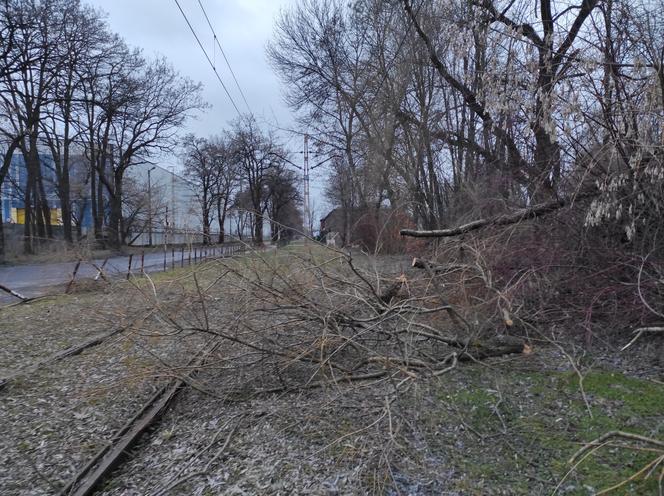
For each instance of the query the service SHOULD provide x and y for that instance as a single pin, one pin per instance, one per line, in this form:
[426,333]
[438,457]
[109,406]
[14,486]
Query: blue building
[12,196]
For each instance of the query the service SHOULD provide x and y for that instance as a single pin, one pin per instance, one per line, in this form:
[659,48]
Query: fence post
[142,261]
[164,258]
[100,270]
[189,255]
[73,276]
[172,258]
[131,255]
[182,257]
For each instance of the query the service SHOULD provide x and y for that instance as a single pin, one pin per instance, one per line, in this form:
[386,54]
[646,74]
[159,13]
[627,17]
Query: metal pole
[73,276]
[150,207]
[307,209]
[100,270]
[129,266]
[14,293]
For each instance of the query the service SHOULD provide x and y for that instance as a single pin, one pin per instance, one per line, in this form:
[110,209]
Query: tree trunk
[46,230]
[258,229]
[221,219]
[206,226]
[2,241]
[93,190]
[99,220]
[27,216]
[64,186]
[115,230]
[4,170]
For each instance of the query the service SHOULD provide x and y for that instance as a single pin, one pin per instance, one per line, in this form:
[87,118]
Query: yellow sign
[18,216]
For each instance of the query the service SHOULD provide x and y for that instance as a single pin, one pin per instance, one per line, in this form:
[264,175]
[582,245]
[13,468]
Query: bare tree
[83,37]
[284,204]
[157,104]
[226,170]
[257,155]
[24,94]
[200,161]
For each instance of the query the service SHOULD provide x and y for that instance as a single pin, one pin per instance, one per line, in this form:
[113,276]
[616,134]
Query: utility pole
[307,210]
[174,218]
[150,207]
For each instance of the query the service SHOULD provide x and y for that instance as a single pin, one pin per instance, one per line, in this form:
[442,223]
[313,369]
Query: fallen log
[501,220]
[420,263]
[493,347]
[479,349]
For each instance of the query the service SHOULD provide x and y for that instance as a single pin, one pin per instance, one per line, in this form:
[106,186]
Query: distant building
[370,229]
[175,210]
[337,221]
[11,193]
[166,204]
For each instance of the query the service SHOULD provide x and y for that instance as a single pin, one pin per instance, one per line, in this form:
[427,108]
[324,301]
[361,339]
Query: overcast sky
[243,27]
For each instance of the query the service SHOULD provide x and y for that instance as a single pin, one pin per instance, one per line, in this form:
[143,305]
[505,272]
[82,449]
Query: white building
[167,208]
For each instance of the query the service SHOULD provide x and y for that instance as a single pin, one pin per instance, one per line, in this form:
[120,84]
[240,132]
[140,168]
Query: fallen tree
[501,220]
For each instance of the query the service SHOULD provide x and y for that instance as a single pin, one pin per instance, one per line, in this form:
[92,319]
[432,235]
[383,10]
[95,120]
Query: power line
[216,38]
[208,57]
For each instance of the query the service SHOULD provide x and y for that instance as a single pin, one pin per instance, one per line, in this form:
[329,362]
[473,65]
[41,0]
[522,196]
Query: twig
[639,332]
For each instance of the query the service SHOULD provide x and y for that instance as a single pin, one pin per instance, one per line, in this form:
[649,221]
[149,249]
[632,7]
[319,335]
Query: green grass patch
[513,432]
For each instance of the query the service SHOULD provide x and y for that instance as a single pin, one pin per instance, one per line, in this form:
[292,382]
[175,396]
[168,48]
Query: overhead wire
[193,31]
[228,64]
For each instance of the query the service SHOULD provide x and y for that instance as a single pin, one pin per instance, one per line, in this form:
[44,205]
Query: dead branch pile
[293,320]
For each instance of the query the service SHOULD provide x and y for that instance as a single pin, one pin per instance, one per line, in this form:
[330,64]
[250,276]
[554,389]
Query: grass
[520,429]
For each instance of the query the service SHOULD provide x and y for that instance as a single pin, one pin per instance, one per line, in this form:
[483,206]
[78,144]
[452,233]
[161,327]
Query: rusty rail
[112,455]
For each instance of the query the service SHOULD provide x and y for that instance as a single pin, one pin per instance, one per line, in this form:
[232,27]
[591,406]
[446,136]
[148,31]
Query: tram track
[109,457]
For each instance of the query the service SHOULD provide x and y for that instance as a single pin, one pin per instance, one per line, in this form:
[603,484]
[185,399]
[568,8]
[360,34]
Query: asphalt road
[37,280]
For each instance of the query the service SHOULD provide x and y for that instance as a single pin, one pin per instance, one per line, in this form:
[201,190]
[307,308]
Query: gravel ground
[35,331]
[313,443]
[317,442]
[264,454]
[58,416]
